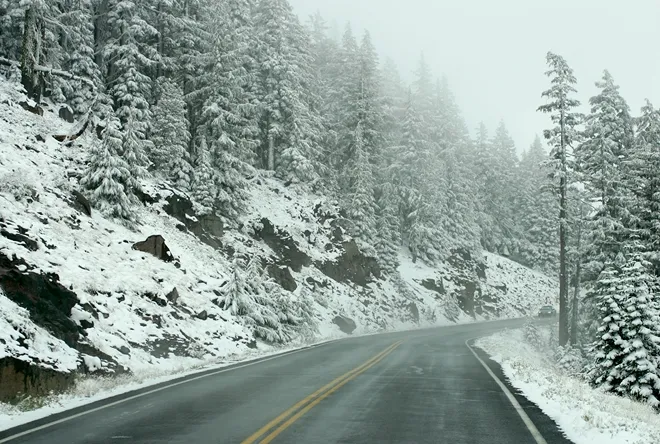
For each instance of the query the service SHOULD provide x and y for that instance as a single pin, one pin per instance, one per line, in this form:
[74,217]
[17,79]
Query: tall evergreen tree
[289,129]
[645,164]
[561,105]
[203,187]
[602,160]
[108,177]
[170,136]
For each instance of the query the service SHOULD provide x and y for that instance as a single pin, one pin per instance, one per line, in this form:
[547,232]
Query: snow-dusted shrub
[15,183]
[570,359]
[532,334]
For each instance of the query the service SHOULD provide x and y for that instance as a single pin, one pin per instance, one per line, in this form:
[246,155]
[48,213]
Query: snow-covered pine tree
[561,107]
[645,164]
[108,178]
[502,189]
[388,233]
[457,155]
[628,349]
[289,128]
[537,211]
[170,136]
[370,105]
[601,160]
[12,14]
[360,206]
[229,115]
[204,191]
[235,294]
[77,56]
[130,55]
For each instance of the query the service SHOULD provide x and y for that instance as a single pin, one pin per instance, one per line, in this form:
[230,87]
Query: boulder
[346,325]
[172,296]
[155,245]
[202,315]
[82,204]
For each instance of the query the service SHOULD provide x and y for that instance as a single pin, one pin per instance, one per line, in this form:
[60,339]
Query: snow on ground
[526,290]
[586,415]
[122,292]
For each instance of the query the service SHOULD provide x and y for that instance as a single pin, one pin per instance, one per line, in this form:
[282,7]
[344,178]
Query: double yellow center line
[293,413]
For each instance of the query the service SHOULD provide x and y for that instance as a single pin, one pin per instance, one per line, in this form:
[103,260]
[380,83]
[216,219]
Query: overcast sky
[493,51]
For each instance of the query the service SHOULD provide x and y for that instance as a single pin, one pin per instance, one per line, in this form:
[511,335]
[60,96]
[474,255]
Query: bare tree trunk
[576,292]
[31,48]
[271,153]
[563,288]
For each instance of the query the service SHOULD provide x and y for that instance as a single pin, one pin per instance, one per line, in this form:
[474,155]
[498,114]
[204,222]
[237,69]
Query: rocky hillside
[82,294]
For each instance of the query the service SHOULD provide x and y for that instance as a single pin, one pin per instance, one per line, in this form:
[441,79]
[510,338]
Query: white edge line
[140,395]
[521,412]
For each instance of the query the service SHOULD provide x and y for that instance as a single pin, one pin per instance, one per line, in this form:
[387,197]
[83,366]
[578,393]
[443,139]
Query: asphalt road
[424,386]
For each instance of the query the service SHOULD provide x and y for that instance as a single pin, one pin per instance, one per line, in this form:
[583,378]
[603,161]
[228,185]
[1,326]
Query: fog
[493,51]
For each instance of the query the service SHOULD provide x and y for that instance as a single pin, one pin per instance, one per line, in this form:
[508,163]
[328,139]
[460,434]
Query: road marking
[512,399]
[140,395]
[312,400]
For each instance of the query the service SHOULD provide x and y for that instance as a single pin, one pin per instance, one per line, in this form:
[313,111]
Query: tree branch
[51,71]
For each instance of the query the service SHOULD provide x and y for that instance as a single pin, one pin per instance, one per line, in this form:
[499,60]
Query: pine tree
[561,107]
[289,127]
[537,210]
[203,187]
[388,233]
[628,347]
[170,136]
[645,164]
[235,295]
[108,177]
[77,41]
[131,56]
[602,159]
[360,204]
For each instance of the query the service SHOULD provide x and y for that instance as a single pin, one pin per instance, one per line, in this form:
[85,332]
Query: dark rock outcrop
[282,276]
[66,114]
[208,227]
[155,245]
[20,379]
[48,302]
[82,203]
[346,325]
[283,245]
[352,266]
[433,285]
[19,238]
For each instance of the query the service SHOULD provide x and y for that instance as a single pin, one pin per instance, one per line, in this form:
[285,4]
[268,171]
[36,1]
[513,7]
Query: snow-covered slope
[77,295]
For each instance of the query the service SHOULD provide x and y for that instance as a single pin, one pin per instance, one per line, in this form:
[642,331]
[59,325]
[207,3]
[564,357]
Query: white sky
[493,51]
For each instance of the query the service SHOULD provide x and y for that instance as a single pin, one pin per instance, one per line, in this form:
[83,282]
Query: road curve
[424,386]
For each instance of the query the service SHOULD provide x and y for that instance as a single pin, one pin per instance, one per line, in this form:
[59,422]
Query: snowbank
[586,415]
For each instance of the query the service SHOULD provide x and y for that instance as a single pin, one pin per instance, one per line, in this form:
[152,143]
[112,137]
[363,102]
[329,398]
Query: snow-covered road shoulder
[586,415]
